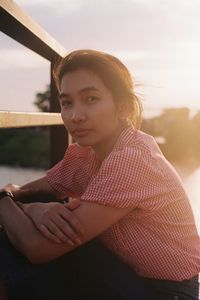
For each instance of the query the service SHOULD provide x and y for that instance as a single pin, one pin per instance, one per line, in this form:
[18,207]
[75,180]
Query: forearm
[38,190]
[25,237]
[40,185]
[17,225]
[94,218]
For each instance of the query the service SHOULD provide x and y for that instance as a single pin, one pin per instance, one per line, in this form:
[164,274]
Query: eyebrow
[86,89]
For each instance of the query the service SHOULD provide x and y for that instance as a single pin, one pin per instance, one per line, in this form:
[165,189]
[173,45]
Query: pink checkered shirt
[158,238]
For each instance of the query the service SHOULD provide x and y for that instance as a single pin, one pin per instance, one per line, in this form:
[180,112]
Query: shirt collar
[125,138]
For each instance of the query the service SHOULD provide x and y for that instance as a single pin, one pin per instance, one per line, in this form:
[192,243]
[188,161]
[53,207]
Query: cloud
[131,55]
[56,5]
[138,25]
[159,40]
[21,58]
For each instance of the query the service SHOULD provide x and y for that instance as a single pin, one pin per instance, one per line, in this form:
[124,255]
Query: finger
[53,229]
[67,230]
[47,234]
[52,237]
[72,220]
[65,237]
[73,203]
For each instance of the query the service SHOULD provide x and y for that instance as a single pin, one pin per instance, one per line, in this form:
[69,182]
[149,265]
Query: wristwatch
[4,193]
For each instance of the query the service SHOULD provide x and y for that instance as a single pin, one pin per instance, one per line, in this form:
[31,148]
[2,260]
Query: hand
[57,222]
[13,188]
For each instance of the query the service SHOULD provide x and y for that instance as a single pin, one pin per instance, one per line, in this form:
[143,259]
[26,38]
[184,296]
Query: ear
[123,112]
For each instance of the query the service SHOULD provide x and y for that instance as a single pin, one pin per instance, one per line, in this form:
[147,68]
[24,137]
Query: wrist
[5,203]
[6,194]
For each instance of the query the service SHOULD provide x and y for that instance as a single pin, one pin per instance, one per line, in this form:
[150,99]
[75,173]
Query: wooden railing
[15,23]
[20,119]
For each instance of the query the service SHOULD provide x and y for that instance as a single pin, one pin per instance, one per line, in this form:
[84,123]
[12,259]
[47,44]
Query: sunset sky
[159,41]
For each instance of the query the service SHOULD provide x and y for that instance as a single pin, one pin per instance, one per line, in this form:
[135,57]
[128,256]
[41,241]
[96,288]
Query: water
[21,176]
[192,184]
[18,176]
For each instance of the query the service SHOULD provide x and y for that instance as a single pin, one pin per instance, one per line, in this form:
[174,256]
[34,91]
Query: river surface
[20,176]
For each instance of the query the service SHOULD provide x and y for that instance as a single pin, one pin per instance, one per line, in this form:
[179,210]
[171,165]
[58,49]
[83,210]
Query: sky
[158,40]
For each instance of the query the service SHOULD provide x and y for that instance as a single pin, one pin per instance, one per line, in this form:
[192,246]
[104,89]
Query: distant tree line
[25,147]
[178,134]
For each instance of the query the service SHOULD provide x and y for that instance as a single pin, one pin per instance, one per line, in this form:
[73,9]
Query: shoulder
[135,154]
[78,152]
[131,145]
[133,138]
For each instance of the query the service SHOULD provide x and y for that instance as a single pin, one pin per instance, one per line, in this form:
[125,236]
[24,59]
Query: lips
[80,132]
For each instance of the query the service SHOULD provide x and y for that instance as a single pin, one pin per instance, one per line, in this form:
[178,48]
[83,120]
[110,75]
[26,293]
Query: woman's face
[88,110]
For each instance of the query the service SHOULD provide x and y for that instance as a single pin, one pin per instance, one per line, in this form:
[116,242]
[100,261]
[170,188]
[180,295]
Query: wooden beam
[15,23]
[59,138]
[25,119]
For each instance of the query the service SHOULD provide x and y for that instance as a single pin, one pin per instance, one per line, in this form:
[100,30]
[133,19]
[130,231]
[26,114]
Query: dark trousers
[175,290]
[90,272]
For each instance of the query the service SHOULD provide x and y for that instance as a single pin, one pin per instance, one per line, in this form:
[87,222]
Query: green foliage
[43,100]
[27,147]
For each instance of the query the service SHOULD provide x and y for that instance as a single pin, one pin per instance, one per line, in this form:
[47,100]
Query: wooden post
[58,134]
[15,23]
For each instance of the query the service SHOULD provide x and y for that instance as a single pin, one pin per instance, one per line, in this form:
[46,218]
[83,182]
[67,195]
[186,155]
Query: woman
[130,196]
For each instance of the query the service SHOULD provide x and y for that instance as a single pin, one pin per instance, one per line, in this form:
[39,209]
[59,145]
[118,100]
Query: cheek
[65,117]
[62,115]
[112,113]
[108,109]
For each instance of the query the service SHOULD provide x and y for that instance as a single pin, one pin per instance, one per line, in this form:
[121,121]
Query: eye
[66,103]
[92,99]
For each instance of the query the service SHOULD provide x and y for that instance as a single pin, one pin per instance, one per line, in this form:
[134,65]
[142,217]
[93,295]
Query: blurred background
[158,40]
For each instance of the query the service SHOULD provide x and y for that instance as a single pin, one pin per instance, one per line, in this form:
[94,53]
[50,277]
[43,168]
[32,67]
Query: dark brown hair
[113,73]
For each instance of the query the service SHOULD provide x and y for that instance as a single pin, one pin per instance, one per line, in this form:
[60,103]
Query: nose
[78,114]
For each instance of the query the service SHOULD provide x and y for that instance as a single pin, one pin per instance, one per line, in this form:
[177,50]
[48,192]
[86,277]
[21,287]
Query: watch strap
[4,193]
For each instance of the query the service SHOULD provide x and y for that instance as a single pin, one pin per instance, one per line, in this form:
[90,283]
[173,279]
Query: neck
[103,150]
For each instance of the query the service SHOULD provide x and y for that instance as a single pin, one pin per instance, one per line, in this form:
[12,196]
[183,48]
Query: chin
[83,143]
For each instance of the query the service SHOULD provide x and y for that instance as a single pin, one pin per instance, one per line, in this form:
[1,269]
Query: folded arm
[27,239]
[32,189]
[54,220]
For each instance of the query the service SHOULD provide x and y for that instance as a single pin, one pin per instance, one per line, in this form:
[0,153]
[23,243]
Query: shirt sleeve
[68,174]
[131,178]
